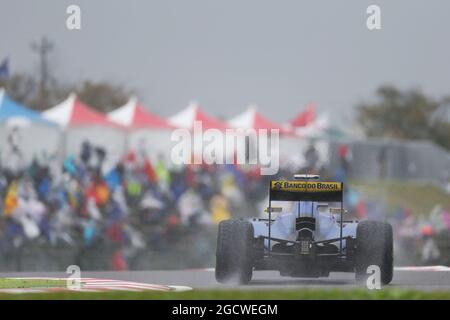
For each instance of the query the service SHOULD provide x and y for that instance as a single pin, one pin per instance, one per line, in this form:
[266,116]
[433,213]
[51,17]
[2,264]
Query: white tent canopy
[146,132]
[124,115]
[83,124]
[193,112]
[186,117]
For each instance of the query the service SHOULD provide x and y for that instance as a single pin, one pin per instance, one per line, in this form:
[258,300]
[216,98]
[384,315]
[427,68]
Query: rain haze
[314,163]
[226,55]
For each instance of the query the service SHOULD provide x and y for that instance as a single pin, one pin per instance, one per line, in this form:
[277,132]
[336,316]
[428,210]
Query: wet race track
[419,278]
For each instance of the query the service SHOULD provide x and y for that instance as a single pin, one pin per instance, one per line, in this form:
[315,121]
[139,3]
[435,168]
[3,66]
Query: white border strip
[423,268]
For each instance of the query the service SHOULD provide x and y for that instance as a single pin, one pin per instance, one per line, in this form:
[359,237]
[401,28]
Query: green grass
[295,294]
[11,283]
[420,198]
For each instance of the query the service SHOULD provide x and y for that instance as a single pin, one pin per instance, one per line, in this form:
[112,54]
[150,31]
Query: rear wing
[282,190]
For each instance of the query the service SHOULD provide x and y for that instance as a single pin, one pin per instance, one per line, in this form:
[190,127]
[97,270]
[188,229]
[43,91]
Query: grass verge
[11,283]
[295,294]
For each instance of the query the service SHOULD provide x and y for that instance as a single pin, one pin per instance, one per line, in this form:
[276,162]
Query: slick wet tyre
[224,248]
[374,246]
[243,251]
[234,254]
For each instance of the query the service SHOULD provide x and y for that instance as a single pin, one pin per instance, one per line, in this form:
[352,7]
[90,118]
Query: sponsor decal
[306,186]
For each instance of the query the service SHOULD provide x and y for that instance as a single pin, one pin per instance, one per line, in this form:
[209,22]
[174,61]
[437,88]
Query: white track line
[97,285]
[423,268]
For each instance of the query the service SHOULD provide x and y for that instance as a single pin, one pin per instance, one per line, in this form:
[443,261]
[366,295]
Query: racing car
[310,239]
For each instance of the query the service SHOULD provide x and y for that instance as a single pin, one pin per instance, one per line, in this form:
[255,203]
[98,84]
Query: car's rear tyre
[374,246]
[224,250]
[234,255]
[243,251]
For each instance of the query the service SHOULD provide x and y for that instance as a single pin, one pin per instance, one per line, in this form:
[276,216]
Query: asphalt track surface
[427,280]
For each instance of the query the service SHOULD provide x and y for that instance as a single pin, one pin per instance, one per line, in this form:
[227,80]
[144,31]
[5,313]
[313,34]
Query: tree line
[406,114]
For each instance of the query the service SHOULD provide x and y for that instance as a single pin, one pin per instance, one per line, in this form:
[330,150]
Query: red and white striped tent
[307,124]
[304,117]
[252,119]
[310,129]
[186,118]
[146,131]
[134,116]
[81,123]
[72,113]
[193,112]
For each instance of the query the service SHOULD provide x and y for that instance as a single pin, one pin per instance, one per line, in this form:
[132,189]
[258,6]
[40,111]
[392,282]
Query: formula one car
[309,240]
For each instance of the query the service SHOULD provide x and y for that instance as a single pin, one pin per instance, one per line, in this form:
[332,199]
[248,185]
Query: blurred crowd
[133,205]
[419,239]
[140,204]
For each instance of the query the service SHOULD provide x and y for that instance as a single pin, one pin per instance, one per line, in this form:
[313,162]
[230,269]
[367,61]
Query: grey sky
[227,54]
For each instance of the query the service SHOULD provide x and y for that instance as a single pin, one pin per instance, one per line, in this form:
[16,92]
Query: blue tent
[10,109]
